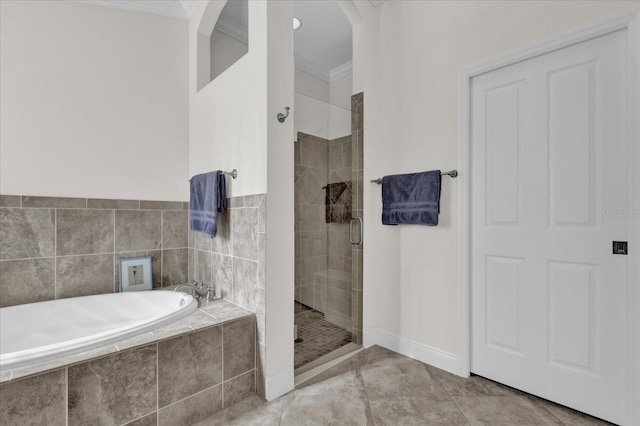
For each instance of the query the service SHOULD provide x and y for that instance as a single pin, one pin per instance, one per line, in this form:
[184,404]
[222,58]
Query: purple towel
[208,198]
[411,199]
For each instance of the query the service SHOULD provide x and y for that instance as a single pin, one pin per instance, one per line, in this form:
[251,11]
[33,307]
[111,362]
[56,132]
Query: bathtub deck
[207,315]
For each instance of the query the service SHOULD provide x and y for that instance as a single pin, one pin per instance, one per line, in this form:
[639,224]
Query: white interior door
[549,160]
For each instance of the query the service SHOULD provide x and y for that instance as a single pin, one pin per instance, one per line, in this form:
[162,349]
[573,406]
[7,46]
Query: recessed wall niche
[223,38]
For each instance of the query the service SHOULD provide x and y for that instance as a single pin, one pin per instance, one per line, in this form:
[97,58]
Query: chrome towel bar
[233,173]
[452,173]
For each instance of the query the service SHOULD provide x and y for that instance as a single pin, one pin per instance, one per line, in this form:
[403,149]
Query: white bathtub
[44,331]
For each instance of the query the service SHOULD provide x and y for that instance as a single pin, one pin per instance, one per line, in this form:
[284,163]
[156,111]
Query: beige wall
[93,102]
[323,108]
[409,55]
[227,118]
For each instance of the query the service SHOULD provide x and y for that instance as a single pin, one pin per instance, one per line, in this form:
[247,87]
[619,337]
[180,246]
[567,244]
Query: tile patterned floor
[319,337]
[380,387]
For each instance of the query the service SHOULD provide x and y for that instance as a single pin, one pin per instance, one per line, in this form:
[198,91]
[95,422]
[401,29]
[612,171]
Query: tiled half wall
[234,261]
[178,381]
[53,248]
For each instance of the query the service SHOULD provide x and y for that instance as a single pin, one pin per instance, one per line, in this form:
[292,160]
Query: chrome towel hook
[281,117]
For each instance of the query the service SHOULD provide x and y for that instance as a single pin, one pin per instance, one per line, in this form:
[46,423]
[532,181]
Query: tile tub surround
[234,261]
[65,247]
[178,374]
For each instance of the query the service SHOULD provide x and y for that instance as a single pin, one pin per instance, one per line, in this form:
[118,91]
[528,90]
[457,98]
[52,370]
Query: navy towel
[411,199]
[208,198]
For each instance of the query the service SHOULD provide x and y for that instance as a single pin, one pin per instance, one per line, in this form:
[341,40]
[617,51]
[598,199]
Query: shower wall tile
[98,203]
[38,400]
[189,364]
[26,233]
[84,275]
[356,269]
[314,152]
[174,267]
[357,140]
[54,202]
[137,230]
[26,281]
[156,266]
[175,229]
[84,231]
[193,409]
[239,347]
[10,201]
[98,389]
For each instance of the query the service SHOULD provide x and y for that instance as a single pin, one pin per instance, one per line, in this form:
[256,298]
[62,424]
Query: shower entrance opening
[329,243]
[328,123]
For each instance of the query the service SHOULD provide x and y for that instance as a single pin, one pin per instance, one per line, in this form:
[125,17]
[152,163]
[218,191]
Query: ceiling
[322,46]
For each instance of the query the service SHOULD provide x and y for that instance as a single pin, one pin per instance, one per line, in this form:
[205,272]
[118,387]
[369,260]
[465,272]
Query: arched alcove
[223,38]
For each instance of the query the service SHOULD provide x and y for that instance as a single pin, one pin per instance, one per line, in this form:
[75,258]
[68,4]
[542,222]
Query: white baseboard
[279,384]
[418,351]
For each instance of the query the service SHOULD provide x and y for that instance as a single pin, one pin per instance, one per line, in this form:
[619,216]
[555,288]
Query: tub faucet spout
[198,290]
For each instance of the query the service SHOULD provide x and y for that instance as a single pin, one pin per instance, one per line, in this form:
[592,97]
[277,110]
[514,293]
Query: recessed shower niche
[223,38]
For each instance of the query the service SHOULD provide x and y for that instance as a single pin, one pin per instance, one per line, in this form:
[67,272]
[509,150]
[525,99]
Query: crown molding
[341,71]
[233,30]
[312,68]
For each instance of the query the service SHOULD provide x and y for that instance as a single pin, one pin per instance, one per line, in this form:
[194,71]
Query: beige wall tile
[175,266]
[54,202]
[100,203]
[137,230]
[84,275]
[115,389]
[84,231]
[26,233]
[38,400]
[26,281]
[189,364]
[175,225]
[239,347]
[193,409]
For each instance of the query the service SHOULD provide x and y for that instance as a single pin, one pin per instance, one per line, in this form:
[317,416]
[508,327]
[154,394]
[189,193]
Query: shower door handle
[359,220]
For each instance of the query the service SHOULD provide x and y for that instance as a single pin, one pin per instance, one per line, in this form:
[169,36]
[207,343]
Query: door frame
[630,22]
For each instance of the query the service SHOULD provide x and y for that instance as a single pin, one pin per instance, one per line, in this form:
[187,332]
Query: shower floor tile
[319,336]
